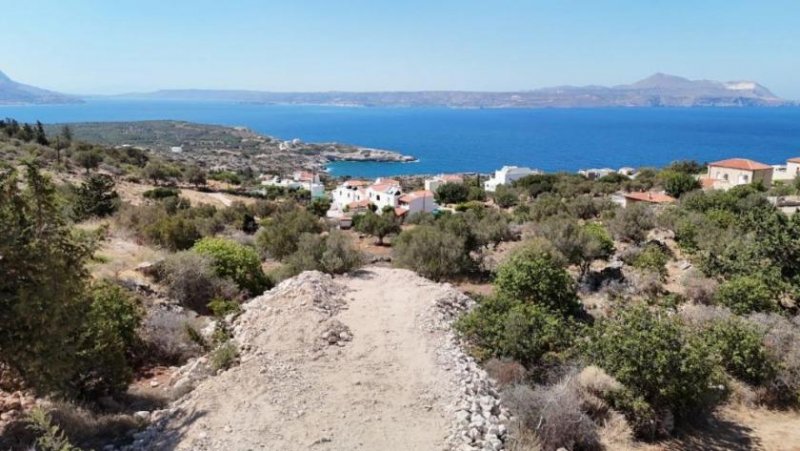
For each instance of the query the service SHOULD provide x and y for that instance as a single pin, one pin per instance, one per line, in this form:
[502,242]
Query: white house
[596,173]
[788,171]
[432,184]
[299,180]
[349,192]
[732,172]
[384,193]
[416,202]
[506,175]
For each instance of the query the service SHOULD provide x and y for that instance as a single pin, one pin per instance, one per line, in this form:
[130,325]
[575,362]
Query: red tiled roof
[652,197]
[794,160]
[453,178]
[415,195]
[356,183]
[741,163]
[400,211]
[358,204]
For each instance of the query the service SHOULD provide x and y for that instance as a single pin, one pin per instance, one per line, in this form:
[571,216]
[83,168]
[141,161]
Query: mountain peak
[662,80]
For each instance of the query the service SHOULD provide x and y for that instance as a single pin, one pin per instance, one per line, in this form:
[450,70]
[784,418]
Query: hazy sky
[113,46]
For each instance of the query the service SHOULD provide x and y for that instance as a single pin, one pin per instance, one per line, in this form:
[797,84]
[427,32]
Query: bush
[332,254]
[191,279]
[579,244]
[224,356]
[280,233]
[540,280]
[452,193]
[319,206]
[652,258]
[505,371]
[164,337]
[431,252]
[659,360]
[508,328]
[677,183]
[505,197]
[746,294]
[697,288]
[632,223]
[554,413]
[224,307]
[782,342]
[106,342]
[161,192]
[740,348]
[234,260]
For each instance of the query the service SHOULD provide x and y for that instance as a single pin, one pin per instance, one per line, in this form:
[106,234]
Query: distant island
[659,90]
[14,93]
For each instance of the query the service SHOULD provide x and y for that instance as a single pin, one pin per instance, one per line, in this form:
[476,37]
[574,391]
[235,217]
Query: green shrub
[677,183]
[161,192]
[224,356]
[192,280]
[234,260]
[107,340]
[538,279]
[432,252]
[658,359]
[740,348]
[280,233]
[470,205]
[529,333]
[505,197]
[319,206]
[633,222]
[173,232]
[748,293]
[652,258]
[332,254]
[224,307]
[50,437]
[452,193]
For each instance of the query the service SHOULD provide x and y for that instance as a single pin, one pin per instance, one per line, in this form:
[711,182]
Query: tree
[677,183]
[538,279]
[195,176]
[579,244]
[431,251]
[42,287]
[155,171]
[377,225]
[88,159]
[452,193]
[280,233]
[320,206]
[40,135]
[505,197]
[97,197]
[749,293]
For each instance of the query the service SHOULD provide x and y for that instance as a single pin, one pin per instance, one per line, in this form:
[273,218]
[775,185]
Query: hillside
[214,146]
[14,93]
[659,90]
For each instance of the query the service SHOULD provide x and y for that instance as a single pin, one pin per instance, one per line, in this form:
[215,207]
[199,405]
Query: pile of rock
[336,333]
[479,420]
[13,406]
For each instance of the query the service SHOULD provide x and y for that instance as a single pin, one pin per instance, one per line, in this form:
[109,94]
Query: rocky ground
[366,361]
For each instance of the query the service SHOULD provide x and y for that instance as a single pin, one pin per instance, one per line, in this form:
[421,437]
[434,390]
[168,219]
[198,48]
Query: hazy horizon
[96,48]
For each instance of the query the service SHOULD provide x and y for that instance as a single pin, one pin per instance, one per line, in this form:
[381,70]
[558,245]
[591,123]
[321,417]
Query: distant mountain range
[13,93]
[659,90]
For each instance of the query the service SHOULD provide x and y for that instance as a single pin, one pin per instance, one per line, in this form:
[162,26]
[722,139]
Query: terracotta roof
[741,163]
[649,196]
[794,160]
[384,187]
[356,183]
[358,204]
[453,178]
[400,211]
[415,195]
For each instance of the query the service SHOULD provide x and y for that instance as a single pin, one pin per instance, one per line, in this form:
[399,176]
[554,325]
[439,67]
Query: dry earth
[365,362]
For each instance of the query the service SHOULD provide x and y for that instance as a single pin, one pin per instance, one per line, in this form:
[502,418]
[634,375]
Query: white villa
[356,195]
[299,180]
[788,171]
[596,173]
[506,175]
[432,184]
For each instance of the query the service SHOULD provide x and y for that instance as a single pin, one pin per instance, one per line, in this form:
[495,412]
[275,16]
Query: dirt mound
[366,361]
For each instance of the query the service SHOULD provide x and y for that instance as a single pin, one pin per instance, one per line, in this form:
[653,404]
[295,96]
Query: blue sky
[98,46]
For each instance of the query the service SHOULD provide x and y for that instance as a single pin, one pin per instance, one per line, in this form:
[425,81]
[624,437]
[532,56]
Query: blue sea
[481,140]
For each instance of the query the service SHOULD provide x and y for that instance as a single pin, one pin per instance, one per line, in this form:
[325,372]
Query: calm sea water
[447,140]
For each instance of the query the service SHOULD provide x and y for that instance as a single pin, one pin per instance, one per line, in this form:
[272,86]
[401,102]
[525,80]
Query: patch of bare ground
[132,193]
[365,361]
